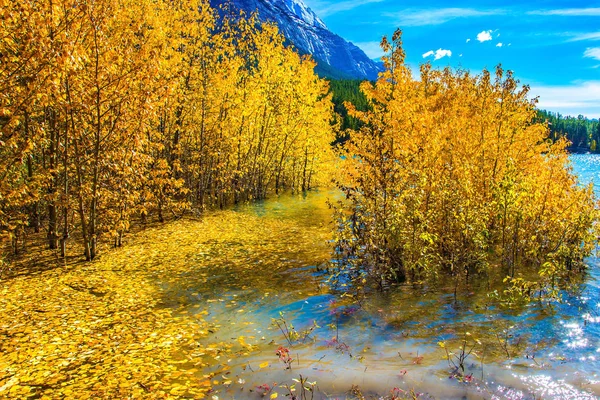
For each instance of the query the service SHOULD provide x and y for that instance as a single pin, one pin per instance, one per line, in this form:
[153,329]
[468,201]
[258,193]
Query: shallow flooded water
[267,273]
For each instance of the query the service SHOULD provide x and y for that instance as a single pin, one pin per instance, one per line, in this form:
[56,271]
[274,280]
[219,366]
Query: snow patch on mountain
[300,10]
[309,34]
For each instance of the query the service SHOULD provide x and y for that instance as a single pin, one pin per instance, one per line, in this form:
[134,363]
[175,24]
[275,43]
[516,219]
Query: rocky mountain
[336,57]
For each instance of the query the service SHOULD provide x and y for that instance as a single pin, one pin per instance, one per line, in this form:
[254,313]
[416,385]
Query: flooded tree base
[237,306]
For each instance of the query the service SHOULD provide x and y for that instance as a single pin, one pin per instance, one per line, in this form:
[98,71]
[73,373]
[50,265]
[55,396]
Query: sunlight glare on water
[575,335]
[587,168]
[548,387]
[391,341]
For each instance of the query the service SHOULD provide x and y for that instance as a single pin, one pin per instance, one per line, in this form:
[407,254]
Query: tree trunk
[65,235]
[34,214]
[304,180]
[52,148]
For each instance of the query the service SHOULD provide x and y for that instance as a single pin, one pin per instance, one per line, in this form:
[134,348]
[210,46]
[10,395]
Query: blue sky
[553,46]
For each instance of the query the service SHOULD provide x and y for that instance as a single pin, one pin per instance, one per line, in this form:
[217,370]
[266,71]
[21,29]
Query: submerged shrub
[450,176]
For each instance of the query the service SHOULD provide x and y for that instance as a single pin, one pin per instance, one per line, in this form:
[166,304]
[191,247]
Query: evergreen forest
[581,132]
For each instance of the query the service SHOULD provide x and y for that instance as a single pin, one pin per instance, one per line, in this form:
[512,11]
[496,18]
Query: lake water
[390,344]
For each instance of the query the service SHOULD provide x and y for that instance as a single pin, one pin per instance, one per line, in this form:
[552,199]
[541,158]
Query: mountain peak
[300,10]
[335,56]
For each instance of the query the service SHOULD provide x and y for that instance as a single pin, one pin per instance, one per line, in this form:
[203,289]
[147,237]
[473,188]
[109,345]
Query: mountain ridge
[335,56]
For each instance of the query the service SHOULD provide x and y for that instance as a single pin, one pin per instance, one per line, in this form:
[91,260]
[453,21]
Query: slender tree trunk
[304,180]
[52,149]
[80,203]
[65,235]
[97,138]
[34,215]
[161,218]
[280,166]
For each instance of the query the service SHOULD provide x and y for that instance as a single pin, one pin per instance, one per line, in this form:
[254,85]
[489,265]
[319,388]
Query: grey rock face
[335,56]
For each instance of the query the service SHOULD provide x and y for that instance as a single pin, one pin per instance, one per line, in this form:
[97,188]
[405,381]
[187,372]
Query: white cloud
[433,16]
[499,44]
[569,12]
[577,98]
[422,17]
[371,49]
[577,37]
[439,53]
[468,40]
[484,36]
[442,53]
[592,52]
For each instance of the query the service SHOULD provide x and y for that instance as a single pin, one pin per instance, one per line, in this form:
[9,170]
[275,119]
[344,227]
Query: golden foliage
[451,176]
[98,332]
[115,109]
[123,326]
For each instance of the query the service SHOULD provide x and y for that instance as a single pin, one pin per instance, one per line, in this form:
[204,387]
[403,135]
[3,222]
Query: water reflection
[245,281]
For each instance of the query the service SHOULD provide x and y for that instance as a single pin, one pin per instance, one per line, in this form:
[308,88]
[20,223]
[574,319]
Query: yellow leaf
[177,390]
[264,365]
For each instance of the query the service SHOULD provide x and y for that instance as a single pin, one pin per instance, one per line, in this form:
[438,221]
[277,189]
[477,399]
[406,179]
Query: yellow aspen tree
[24,58]
[450,175]
[108,130]
[291,116]
[111,109]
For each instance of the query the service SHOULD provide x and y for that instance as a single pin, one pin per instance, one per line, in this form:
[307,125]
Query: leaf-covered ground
[97,330]
[122,327]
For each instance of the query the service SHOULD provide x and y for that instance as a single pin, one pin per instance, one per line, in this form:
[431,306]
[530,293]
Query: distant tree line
[583,133]
[345,90]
